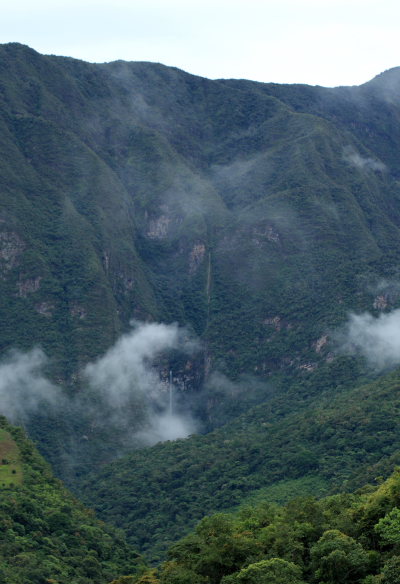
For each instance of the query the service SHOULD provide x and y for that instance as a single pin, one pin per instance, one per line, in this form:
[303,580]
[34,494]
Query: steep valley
[210,260]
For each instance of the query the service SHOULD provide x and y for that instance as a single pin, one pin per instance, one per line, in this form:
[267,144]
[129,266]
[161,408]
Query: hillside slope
[46,535]
[346,539]
[338,441]
[137,190]
[256,216]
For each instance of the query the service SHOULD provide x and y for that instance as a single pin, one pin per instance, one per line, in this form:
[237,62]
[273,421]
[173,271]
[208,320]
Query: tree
[336,557]
[216,548]
[273,571]
[389,527]
[174,573]
[125,580]
[391,571]
[150,576]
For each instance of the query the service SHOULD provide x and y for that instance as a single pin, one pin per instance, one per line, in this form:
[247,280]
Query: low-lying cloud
[125,379]
[123,387]
[126,367]
[166,426]
[23,387]
[375,338]
[362,162]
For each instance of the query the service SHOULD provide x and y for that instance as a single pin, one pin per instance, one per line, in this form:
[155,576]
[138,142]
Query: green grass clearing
[10,464]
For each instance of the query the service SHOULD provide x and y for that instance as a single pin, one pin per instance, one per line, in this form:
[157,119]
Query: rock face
[381,302]
[11,246]
[158,228]
[28,286]
[196,257]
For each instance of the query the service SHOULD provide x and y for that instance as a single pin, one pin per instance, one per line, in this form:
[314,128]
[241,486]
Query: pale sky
[319,42]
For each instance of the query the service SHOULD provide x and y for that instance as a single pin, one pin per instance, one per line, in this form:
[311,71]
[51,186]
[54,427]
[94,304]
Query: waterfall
[170,392]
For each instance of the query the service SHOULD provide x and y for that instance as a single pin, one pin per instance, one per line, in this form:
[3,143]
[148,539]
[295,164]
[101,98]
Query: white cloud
[166,426]
[376,338]
[124,387]
[125,378]
[23,387]
[125,367]
[362,162]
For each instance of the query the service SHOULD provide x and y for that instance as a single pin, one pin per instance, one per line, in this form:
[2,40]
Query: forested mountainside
[133,190]
[346,539]
[48,537]
[46,534]
[180,255]
[338,442]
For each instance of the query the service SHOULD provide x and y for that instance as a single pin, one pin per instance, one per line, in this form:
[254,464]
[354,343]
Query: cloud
[126,367]
[166,426]
[375,338]
[124,395]
[23,387]
[364,163]
[127,384]
[222,399]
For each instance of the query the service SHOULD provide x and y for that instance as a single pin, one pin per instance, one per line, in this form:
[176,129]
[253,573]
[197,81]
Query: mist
[363,163]
[166,426]
[24,389]
[375,338]
[221,399]
[123,394]
[126,381]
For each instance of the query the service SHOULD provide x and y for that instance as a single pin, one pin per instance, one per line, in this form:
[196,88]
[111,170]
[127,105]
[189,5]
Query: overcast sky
[319,42]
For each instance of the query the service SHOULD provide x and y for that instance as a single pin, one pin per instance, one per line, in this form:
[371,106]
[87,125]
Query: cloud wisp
[375,338]
[124,390]
[23,387]
[362,162]
[125,380]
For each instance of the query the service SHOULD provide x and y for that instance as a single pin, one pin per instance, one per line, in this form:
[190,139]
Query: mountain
[47,535]
[133,190]
[338,442]
[349,538]
[242,227]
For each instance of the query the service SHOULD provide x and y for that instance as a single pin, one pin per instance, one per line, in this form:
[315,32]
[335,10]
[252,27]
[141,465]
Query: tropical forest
[199,327]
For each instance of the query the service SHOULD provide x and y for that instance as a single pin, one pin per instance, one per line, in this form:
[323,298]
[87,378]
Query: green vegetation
[46,535]
[341,539]
[10,464]
[339,440]
[136,190]
[257,216]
